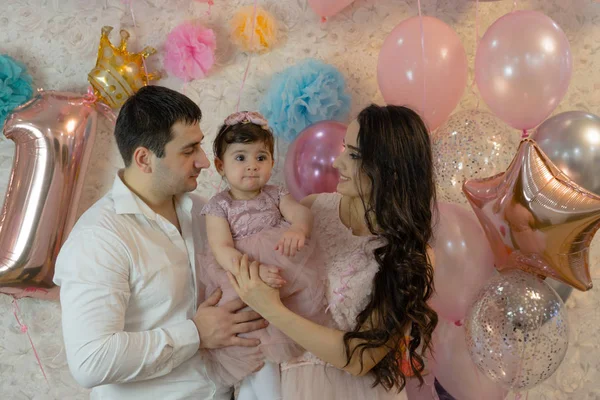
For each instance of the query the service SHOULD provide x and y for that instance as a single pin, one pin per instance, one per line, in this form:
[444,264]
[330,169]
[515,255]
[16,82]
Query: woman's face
[353,182]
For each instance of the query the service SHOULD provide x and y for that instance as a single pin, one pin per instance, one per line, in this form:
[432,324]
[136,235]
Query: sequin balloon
[517,331]
[471,144]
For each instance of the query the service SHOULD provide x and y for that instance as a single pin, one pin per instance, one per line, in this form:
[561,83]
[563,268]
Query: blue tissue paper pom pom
[15,86]
[303,94]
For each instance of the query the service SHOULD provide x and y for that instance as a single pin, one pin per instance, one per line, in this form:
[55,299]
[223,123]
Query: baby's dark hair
[245,131]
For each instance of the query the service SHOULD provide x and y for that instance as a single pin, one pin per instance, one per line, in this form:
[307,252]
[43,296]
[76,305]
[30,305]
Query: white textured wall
[57,39]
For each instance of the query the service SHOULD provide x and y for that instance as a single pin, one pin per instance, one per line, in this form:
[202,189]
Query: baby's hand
[291,242]
[270,276]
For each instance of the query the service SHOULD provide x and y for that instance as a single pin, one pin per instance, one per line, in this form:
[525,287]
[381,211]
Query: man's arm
[92,270]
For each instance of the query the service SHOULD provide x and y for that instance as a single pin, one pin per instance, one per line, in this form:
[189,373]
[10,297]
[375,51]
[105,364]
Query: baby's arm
[221,241]
[221,244]
[301,219]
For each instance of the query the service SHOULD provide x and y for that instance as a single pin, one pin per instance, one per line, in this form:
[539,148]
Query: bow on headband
[245,117]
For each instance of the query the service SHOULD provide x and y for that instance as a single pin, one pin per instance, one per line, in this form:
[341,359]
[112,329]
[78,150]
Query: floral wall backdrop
[57,40]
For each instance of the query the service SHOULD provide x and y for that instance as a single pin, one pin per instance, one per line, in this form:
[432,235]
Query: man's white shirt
[128,293]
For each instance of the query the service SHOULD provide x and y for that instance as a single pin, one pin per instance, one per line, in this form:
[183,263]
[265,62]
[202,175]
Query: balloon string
[422,54]
[524,134]
[91,98]
[237,106]
[472,86]
[277,156]
[526,343]
[30,289]
[535,345]
[518,395]
[520,366]
[477,377]
[135,26]
[434,395]
[25,329]
[107,112]
[214,186]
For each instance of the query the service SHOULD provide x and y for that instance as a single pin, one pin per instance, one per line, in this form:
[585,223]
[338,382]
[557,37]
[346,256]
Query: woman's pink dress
[256,226]
[350,269]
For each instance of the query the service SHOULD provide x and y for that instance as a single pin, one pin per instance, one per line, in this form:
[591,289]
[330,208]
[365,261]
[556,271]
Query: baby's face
[247,167]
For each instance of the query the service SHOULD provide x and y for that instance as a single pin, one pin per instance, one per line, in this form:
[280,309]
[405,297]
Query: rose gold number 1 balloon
[54,134]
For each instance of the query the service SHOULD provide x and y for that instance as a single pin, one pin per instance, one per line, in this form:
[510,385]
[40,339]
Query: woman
[374,234]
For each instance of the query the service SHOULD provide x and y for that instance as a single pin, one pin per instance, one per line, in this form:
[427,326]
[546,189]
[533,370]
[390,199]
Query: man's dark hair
[147,117]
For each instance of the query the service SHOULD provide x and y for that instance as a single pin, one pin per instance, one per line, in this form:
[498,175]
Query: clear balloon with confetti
[516,331]
[471,144]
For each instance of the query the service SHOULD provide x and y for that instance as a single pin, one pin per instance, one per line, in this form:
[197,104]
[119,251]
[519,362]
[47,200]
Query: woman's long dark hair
[396,157]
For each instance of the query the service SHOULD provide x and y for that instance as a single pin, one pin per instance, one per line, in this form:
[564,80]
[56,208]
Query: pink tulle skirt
[303,294]
[318,381]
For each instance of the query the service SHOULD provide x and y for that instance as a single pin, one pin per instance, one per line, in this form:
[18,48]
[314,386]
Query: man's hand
[218,326]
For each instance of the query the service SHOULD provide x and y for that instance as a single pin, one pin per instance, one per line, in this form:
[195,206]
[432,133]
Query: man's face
[177,171]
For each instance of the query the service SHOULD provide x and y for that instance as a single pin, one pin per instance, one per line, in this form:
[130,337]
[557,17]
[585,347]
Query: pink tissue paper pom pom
[190,51]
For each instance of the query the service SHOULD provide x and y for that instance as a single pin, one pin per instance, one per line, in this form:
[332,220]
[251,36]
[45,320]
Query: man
[128,283]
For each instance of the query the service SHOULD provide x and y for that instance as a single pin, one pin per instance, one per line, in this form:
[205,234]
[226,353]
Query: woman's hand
[251,289]
[324,342]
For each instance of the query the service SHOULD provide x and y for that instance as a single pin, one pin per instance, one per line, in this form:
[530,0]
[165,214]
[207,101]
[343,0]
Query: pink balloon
[454,369]
[400,69]
[328,8]
[308,165]
[464,261]
[523,68]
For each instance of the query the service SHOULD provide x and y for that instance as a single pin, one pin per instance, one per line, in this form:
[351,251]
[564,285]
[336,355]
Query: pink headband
[244,117]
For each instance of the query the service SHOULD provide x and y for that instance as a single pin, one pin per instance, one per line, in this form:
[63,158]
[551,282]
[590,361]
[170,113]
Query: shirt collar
[127,202]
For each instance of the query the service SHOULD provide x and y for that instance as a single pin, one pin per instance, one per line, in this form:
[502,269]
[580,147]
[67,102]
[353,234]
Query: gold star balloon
[118,73]
[537,219]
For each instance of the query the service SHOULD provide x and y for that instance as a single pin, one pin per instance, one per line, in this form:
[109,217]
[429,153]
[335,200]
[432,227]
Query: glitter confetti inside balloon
[471,144]
[517,331]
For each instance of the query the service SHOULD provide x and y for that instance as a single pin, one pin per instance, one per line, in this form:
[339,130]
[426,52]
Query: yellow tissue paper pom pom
[265,30]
